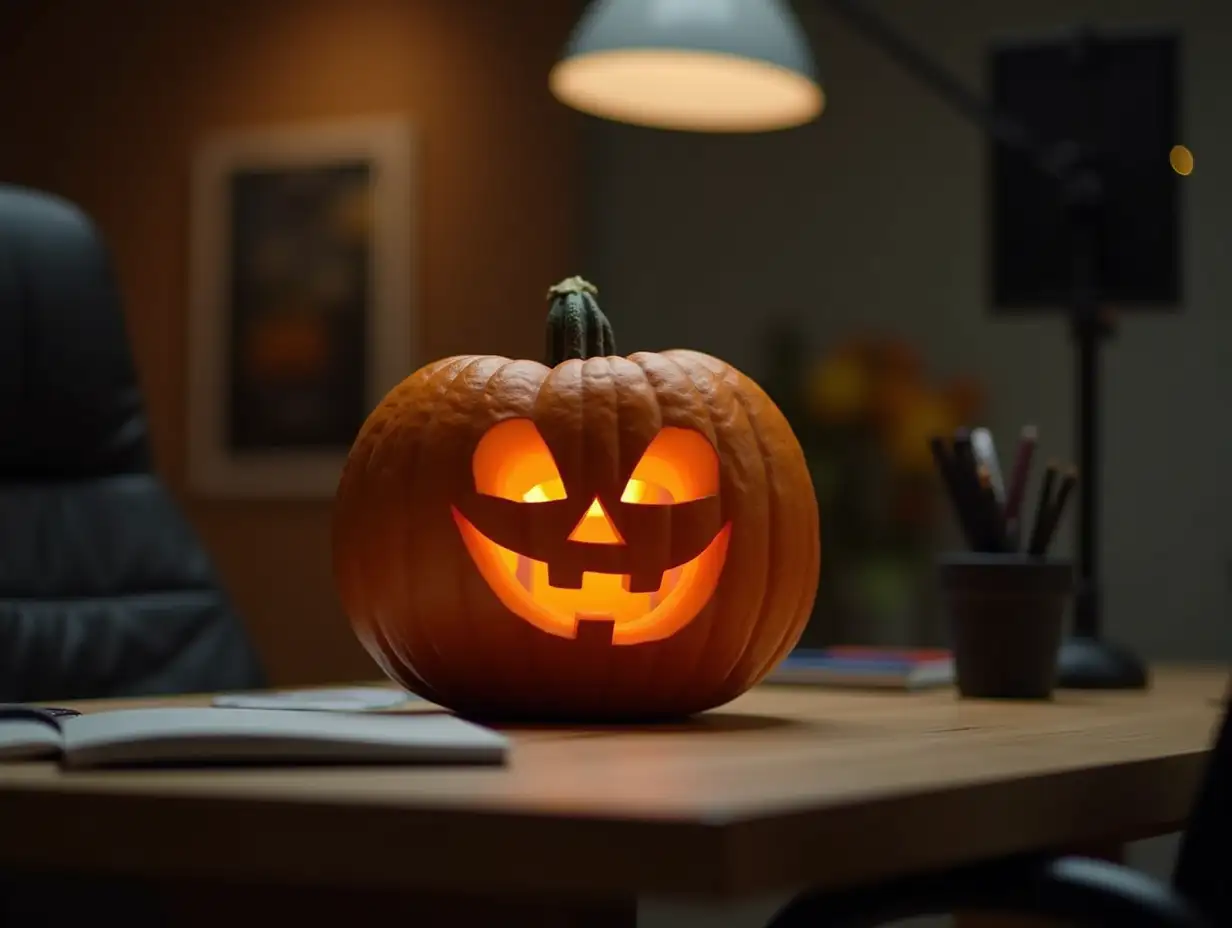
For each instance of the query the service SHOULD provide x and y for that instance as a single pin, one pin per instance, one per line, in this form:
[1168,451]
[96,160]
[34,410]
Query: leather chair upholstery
[104,588]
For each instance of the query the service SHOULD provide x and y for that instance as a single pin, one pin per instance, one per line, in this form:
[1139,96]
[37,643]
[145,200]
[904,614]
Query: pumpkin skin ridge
[371,637]
[564,380]
[372,435]
[783,498]
[479,600]
[558,681]
[811,558]
[674,671]
[735,681]
[418,592]
[715,605]
[499,623]
[807,600]
[643,667]
[439,383]
[352,594]
[425,665]
[412,592]
[455,394]
[477,589]
[721,371]
[741,676]
[600,400]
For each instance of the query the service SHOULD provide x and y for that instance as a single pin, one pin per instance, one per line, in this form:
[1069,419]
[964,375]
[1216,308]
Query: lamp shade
[699,65]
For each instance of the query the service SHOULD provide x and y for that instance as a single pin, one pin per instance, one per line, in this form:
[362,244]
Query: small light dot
[1181,159]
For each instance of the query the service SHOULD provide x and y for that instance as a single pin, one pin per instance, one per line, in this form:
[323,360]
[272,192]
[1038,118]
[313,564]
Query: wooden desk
[783,789]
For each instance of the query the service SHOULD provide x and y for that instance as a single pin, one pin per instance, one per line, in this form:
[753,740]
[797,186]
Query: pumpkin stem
[577,327]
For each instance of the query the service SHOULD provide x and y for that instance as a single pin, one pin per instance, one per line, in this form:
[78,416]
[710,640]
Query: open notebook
[204,736]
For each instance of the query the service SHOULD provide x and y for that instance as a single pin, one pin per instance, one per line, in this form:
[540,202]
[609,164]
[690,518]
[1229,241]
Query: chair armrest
[1071,889]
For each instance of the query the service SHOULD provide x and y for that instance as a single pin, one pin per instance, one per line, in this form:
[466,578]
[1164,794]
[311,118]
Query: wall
[872,218]
[102,103]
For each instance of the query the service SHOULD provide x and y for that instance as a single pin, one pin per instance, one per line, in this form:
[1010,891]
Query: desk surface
[782,788]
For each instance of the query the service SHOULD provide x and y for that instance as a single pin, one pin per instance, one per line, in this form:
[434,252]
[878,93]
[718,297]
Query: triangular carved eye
[680,465]
[512,461]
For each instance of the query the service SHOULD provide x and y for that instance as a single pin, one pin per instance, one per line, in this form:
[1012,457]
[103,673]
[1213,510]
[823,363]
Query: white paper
[350,699]
[25,739]
[202,736]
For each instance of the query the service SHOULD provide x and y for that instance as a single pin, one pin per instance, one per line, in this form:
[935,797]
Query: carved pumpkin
[598,538]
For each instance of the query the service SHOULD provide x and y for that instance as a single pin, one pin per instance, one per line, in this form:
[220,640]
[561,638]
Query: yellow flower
[926,415]
[838,389]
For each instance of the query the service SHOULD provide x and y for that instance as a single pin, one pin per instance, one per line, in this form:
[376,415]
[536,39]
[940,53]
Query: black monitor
[1121,102]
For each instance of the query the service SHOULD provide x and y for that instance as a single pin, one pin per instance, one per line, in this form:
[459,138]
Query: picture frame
[302,308]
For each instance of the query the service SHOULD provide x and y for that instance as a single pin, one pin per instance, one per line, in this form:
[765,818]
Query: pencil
[1019,475]
[967,479]
[1042,505]
[985,449]
[945,467]
[1020,472]
[1057,509]
[991,515]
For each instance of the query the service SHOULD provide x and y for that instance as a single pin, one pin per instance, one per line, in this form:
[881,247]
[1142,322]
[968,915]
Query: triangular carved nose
[595,527]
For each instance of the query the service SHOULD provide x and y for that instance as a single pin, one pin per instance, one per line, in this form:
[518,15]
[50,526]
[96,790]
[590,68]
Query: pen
[946,468]
[1057,509]
[990,513]
[966,477]
[1042,506]
[1019,475]
[985,449]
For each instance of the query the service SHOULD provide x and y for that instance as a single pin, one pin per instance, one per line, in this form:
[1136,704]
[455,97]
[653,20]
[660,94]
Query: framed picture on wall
[302,310]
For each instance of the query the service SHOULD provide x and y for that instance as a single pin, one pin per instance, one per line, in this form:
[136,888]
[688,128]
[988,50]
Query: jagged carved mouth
[578,561]
[603,606]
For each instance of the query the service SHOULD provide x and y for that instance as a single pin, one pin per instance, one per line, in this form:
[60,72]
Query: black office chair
[104,588]
[1073,890]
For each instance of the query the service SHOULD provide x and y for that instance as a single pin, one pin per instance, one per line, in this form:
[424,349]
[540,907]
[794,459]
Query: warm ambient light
[1181,159]
[697,65]
[689,90]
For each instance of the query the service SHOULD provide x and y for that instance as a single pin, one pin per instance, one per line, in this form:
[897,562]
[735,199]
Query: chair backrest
[104,588]
[1202,871]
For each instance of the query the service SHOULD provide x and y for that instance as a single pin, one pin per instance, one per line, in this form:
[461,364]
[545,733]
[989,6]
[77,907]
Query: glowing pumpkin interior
[512,462]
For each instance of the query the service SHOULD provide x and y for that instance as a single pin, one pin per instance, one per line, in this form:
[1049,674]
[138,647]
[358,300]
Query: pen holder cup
[1006,613]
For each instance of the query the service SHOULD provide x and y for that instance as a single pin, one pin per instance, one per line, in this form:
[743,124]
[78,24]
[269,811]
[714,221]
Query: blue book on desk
[855,666]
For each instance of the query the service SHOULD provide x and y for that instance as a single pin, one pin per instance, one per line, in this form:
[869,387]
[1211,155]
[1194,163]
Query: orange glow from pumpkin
[596,527]
[513,462]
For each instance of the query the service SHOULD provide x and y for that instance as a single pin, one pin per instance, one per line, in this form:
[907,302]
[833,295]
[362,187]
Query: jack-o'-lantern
[594,538]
